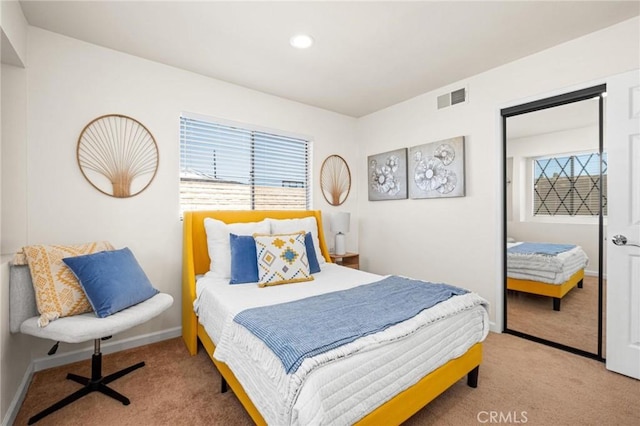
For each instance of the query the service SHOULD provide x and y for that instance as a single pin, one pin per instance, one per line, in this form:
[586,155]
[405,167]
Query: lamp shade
[340,222]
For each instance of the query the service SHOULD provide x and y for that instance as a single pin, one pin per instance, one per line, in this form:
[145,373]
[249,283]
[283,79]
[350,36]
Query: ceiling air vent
[456,97]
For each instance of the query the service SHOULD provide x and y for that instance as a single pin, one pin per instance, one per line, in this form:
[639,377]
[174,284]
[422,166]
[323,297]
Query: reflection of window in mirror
[568,185]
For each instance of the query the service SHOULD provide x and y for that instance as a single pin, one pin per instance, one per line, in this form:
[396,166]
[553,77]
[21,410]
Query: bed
[543,269]
[399,390]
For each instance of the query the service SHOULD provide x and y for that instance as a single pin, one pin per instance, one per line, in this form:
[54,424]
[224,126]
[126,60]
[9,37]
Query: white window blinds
[225,167]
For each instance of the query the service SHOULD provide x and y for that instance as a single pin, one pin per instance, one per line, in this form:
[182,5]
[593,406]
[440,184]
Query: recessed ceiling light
[301,41]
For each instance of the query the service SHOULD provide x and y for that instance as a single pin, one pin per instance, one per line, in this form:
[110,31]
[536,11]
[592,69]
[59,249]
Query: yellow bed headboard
[195,256]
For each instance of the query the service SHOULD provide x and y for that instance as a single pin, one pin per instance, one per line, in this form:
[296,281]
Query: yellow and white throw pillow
[282,259]
[58,292]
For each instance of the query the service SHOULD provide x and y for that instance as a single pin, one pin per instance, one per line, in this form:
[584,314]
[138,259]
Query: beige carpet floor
[575,325]
[529,382]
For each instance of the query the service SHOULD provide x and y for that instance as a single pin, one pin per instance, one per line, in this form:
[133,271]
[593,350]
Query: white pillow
[290,226]
[218,242]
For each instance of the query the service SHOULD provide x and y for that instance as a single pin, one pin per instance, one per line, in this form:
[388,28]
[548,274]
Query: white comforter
[325,390]
[548,269]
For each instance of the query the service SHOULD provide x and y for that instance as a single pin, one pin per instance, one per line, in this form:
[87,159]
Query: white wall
[458,240]
[15,349]
[14,33]
[47,200]
[13,25]
[14,159]
[582,231]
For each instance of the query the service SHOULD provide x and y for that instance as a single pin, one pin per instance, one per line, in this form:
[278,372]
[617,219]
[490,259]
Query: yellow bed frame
[557,291]
[196,261]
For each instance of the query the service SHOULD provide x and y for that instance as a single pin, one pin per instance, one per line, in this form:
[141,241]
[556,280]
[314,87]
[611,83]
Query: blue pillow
[244,266]
[112,280]
[314,266]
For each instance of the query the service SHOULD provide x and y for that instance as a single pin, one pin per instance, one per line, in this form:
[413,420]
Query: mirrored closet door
[555,173]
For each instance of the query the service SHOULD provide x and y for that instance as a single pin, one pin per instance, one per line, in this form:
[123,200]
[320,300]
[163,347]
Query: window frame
[308,140]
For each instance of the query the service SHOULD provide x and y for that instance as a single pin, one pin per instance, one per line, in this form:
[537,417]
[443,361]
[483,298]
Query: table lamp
[340,225]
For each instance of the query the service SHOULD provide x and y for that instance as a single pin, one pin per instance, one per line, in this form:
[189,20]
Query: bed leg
[223,385]
[580,284]
[472,377]
[556,303]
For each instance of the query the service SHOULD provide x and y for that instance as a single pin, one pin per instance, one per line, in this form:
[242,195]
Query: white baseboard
[80,355]
[16,402]
[594,274]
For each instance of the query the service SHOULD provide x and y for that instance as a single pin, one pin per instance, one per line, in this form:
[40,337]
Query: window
[569,185]
[226,167]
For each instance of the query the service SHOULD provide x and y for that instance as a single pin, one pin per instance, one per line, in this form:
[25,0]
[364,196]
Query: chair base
[93,384]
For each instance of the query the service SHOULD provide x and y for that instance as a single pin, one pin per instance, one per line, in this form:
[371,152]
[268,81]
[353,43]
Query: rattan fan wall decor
[335,180]
[117,155]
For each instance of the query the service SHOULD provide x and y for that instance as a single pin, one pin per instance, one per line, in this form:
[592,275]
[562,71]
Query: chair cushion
[85,327]
[22,298]
[58,293]
[112,280]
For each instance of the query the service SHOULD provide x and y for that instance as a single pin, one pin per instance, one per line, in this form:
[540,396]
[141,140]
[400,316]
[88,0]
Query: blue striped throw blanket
[307,327]
[547,249]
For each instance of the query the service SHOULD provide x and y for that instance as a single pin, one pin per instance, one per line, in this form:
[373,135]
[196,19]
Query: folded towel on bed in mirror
[547,249]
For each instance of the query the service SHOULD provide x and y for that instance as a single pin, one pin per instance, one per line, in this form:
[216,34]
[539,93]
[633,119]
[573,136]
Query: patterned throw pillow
[58,292]
[282,259]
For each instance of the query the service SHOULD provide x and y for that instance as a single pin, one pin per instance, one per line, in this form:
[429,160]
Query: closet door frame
[554,101]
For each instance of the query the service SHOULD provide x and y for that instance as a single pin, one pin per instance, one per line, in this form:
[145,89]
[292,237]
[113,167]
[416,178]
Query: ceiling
[366,57]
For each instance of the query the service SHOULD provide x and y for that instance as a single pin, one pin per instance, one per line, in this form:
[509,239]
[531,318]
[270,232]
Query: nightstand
[350,260]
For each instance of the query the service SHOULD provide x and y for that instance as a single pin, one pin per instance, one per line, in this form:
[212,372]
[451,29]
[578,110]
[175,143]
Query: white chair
[76,329]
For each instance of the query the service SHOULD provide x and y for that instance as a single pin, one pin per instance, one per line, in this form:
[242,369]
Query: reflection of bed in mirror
[545,269]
